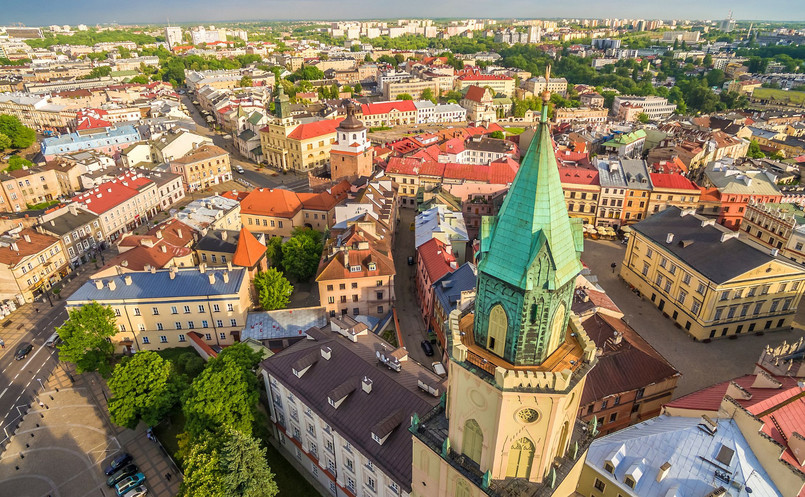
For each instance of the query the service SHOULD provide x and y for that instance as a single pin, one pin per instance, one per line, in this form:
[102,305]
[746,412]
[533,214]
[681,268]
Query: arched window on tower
[498,325]
[473,440]
[533,313]
[521,456]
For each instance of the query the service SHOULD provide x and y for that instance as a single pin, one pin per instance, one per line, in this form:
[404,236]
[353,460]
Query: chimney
[127,279]
[26,237]
[52,222]
[211,276]
[366,384]
[669,238]
[663,471]
[226,276]
[112,285]
[99,284]
[774,252]
[159,234]
[179,232]
[224,235]
[618,338]
[73,209]
[153,269]
[229,265]
[326,353]
[202,268]
[164,248]
[173,272]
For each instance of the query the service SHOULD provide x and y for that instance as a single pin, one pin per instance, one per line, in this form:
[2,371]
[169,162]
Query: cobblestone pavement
[701,364]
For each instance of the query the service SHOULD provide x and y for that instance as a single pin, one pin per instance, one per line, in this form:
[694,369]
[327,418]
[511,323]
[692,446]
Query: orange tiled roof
[249,250]
[271,202]
[38,243]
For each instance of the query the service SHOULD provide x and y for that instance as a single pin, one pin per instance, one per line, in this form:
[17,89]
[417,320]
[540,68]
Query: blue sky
[44,12]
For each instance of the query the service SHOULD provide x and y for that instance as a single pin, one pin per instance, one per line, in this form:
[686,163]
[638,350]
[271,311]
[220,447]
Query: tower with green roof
[529,260]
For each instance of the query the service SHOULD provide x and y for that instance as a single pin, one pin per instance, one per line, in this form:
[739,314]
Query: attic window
[609,468]
[629,481]
[372,266]
[354,269]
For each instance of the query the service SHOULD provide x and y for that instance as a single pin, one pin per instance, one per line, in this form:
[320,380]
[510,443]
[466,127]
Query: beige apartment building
[203,167]
[25,187]
[30,262]
[354,277]
[413,87]
[176,307]
[290,145]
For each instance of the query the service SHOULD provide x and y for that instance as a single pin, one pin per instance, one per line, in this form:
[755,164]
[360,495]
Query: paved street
[408,312]
[701,364]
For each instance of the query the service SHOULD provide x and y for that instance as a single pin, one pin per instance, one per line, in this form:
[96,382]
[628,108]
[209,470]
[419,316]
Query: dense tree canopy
[143,387]
[84,338]
[21,136]
[273,290]
[301,254]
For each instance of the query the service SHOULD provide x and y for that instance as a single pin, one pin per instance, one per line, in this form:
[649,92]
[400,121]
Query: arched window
[498,325]
[473,440]
[462,489]
[521,456]
[533,313]
[560,450]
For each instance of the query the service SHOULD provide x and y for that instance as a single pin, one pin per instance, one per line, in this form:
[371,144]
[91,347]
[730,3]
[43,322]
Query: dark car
[23,350]
[121,473]
[410,260]
[117,463]
[427,347]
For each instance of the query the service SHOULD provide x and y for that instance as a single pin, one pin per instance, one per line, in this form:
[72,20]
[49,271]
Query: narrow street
[408,313]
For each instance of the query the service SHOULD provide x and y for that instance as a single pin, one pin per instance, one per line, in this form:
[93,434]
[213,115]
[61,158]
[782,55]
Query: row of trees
[13,134]
[218,450]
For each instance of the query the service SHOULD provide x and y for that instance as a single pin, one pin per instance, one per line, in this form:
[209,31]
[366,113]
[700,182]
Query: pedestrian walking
[2,344]
[168,476]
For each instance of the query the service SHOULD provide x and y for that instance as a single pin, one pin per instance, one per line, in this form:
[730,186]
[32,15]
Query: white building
[657,108]
[173,36]
[428,112]
[343,416]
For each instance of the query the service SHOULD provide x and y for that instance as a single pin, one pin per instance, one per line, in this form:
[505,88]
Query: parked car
[227,137]
[410,260]
[239,169]
[53,340]
[125,471]
[23,350]
[129,483]
[140,491]
[438,368]
[427,347]
[117,463]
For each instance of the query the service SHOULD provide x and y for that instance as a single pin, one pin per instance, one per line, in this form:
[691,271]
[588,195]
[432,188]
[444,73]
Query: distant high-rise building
[173,36]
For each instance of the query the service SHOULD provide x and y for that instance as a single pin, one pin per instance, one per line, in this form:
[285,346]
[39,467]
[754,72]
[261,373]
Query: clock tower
[519,359]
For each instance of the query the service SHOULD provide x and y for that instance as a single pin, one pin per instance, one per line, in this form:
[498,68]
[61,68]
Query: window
[182,338]
[609,468]
[599,485]
[233,322]
[141,327]
[613,417]
[725,295]
[696,307]
[230,307]
[629,481]
[191,325]
[686,279]
[174,310]
[146,340]
[645,269]
[163,339]
[205,324]
[222,336]
[700,288]
[155,311]
[187,309]
[604,405]
[177,325]
[380,309]
[219,323]
[215,308]
[201,308]
[117,311]
[370,482]
[682,295]
[719,312]
[663,262]
[136,311]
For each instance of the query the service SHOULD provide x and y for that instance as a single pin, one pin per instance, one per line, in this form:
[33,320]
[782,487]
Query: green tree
[643,117]
[754,151]
[301,254]
[16,162]
[388,59]
[140,79]
[224,395]
[98,72]
[358,88]
[246,82]
[497,134]
[246,471]
[143,388]
[307,73]
[21,136]
[274,251]
[453,95]
[203,469]
[84,338]
[427,94]
[715,77]
[273,290]
[404,96]
[5,142]
[707,61]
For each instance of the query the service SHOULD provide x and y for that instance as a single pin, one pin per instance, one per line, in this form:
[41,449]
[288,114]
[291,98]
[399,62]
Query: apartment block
[30,263]
[203,167]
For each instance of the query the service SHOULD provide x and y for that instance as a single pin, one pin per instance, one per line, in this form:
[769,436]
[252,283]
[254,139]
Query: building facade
[203,167]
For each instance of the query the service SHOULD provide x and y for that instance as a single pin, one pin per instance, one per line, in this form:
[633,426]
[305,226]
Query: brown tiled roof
[38,243]
[622,367]
[271,202]
[337,266]
[203,152]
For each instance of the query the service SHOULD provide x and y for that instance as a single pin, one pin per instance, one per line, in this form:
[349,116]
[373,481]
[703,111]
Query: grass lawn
[289,481]
[794,97]
[173,353]
[514,130]
[170,428]
[390,336]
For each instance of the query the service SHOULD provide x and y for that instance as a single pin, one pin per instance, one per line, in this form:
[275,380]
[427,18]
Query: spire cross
[546,95]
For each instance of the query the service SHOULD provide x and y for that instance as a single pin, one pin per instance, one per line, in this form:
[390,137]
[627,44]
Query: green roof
[533,215]
[255,118]
[626,138]
[788,209]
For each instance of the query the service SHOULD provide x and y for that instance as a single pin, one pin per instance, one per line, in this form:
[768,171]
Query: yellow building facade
[708,281]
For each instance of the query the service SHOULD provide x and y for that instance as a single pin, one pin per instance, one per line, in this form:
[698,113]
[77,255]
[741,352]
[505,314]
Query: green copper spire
[529,260]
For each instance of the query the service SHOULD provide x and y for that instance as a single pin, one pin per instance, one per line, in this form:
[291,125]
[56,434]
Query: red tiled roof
[430,153]
[38,243]
[453,146]
[112,193]
[710,195]
[314,129]
[235,195]
[249,250]
[90,122]
[578,176]
[141,256]
[673,181]
[174,232]
[475,93]
[271,202]
[371,109]
[436,259]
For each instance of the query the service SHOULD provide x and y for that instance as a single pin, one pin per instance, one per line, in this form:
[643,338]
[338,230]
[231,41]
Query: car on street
[23,350]
[410,260]
[53,340]
[129,483]
[227,137]
[427,348]
[140,491]
[239,169]
[125,471]
[117,463]
[438,368]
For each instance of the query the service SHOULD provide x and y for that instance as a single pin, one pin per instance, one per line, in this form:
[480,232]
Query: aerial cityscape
[260,249]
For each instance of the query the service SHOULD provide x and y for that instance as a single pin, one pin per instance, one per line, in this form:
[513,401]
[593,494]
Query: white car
[140,491]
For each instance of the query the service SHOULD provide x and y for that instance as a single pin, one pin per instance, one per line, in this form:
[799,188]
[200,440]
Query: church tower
[519,359]
[352,156]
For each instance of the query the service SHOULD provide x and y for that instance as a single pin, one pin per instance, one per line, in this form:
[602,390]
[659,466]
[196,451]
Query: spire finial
[546,95]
